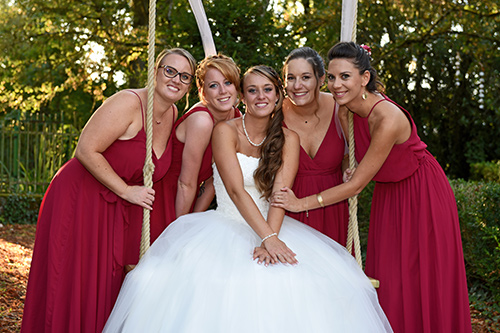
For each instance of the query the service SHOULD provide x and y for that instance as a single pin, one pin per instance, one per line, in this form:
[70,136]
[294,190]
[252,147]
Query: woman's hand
[279,252]
[260,253]
[140,195]
[286,199]
[348,175]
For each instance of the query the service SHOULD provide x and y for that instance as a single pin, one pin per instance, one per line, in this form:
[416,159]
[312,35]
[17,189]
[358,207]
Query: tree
[430,54]
[433,57]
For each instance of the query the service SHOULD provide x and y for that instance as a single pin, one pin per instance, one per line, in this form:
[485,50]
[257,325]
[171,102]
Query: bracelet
[320,200]
[268,236]
[307,210]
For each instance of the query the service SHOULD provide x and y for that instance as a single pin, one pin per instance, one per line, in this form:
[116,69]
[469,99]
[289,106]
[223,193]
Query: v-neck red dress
[85,236]
[318,174]
[414,243]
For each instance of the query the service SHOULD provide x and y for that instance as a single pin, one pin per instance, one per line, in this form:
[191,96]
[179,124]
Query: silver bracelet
[269,236]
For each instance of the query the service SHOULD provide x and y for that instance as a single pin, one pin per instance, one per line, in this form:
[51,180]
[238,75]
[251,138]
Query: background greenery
[439,59]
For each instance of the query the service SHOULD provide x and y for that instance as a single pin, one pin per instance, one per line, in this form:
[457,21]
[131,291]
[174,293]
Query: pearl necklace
[246,134]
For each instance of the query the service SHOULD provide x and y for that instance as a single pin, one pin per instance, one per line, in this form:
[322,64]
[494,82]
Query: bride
[199,275]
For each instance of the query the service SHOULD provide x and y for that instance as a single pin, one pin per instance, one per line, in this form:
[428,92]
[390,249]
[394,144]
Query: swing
[348,33]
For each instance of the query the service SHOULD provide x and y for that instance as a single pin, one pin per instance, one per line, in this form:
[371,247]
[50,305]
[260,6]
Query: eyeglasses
[171,72]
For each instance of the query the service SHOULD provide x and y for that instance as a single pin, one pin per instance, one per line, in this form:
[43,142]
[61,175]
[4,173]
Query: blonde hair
[224,64]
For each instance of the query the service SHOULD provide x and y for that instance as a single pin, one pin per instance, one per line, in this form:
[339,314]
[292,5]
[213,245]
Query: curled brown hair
[271,150]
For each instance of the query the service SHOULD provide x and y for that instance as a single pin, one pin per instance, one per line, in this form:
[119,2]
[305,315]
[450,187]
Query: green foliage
[486,171]
[364,209]
[19,209]
[479,212]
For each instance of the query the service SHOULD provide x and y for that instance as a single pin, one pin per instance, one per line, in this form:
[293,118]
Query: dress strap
[374,105]
[140,101]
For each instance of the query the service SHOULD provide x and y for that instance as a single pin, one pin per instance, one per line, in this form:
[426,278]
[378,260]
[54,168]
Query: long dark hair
[361,60]
[271,150]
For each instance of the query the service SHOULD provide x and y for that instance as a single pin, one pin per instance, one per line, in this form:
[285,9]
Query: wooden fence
[32,149]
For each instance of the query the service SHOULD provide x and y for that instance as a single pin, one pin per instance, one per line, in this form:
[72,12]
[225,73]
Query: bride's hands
[260,253]
[279,252]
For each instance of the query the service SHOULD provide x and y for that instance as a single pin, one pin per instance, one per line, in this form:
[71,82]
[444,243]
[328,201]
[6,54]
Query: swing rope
[149,167]
[348,33]
[209,47]
[350,11]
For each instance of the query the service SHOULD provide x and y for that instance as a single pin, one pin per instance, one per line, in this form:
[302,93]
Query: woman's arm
[387,129]
[205,196]
[118,118]
[196,134]
[224,143]
[285,176]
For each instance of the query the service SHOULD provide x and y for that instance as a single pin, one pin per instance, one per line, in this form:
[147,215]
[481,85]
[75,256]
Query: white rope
[204,27]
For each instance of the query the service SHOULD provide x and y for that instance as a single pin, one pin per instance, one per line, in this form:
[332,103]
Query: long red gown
[414,243]
[85,236]
[318,174]
[166,190]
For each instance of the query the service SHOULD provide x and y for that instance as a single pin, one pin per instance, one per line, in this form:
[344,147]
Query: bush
[479,212]
[486,171]
[19,209]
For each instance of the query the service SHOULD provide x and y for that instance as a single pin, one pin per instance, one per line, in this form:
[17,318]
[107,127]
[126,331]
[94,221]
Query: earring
[364,96]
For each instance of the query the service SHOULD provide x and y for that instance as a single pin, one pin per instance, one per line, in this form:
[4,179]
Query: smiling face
[301,83]
[344,81]
[172,88]
[259,95]
[218,93]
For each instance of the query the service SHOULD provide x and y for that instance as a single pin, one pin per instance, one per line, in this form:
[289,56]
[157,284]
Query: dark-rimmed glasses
[171,72]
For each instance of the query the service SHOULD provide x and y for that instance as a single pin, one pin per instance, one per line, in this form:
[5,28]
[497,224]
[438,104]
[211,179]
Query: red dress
[85,236]
[414,244]
[318,174]
[166,190]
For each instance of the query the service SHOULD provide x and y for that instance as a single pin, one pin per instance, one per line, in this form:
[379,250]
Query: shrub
[479,212]
[19,209]
[486,171]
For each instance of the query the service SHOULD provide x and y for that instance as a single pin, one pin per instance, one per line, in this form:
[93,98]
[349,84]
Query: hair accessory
[367,49]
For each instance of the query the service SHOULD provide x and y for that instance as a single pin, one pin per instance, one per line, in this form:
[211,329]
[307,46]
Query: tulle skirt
[199,276]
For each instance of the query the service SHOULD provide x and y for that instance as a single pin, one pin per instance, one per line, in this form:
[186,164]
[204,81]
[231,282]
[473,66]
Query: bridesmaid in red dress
[89,225]
[414,244]
[313,115]
[188,186]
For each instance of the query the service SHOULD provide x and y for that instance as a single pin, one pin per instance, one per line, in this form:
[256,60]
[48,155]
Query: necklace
[246,134]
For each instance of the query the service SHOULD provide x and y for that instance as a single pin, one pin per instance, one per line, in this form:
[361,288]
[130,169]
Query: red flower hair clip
[367,49]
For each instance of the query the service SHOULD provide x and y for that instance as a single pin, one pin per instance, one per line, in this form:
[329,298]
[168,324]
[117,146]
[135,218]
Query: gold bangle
[320,200]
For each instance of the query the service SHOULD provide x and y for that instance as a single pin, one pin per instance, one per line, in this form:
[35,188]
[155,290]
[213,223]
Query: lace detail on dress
[225,205]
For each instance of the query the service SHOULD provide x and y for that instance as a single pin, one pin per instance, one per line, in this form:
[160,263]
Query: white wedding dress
[199,277]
